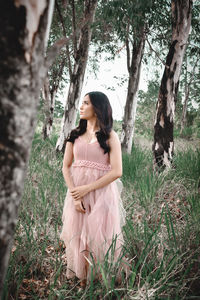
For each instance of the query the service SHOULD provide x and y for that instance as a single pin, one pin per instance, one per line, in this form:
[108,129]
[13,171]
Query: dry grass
[161,234]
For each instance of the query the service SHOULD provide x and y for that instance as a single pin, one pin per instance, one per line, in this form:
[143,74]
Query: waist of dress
[91,164]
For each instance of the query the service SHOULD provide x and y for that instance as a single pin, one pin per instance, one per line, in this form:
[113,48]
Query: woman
[91,213]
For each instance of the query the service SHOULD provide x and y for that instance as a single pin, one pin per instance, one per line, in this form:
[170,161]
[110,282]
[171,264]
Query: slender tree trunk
[49,104]
[163,146]
[187,94]
[131,100]
[76,82]
[183,119]
[24,29]
[49,95]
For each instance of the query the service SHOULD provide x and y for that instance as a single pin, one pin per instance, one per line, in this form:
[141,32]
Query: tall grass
[161,232]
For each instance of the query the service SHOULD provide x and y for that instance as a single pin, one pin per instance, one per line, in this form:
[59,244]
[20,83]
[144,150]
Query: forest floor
[162,230]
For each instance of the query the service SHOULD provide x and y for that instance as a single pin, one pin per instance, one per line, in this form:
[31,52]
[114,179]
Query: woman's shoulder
[113,136]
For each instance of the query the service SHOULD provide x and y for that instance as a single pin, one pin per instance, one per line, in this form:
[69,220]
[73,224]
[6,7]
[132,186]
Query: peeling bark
[76,82]
[22,45]
[163,146]
[131,100]
[34,10]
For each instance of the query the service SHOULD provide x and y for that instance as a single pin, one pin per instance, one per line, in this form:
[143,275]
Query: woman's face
[86,109]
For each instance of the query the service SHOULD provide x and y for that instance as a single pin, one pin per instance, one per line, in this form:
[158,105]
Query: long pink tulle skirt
[88,236]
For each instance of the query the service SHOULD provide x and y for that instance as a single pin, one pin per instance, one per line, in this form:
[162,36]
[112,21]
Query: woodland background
[161,186]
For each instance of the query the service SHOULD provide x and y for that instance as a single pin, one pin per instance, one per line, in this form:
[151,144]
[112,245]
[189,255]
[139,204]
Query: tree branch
[196,46]
[57,74]
[128,48]
[54,50]
[128,55]
[156,54]
[193,73]
[74,27]
[65,34]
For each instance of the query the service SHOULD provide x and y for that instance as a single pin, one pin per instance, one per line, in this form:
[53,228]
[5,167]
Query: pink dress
[88,236]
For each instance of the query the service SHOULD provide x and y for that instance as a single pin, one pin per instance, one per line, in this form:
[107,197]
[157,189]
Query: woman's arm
[67,162]
[115,162]
[114,173]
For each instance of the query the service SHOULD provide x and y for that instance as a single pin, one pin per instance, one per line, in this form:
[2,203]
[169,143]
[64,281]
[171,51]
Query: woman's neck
[92,125]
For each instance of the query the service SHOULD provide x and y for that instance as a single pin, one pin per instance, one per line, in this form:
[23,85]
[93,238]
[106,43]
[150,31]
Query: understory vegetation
[162,232]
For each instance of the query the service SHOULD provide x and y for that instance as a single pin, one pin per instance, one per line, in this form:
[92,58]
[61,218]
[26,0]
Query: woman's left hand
[79,191]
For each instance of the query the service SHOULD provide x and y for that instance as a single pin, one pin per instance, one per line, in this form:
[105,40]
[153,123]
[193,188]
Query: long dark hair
[103,111]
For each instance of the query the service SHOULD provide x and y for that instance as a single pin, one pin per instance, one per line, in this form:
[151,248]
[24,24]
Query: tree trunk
[49,95]
[49,104]
[163,146]
[24,32]
[183,119]
[76,82]
[187,93]
[131,100]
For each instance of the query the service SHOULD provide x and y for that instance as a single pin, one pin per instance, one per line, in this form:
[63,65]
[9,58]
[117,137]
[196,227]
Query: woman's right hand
[79,206]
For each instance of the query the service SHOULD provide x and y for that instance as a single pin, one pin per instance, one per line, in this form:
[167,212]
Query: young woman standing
[91,214]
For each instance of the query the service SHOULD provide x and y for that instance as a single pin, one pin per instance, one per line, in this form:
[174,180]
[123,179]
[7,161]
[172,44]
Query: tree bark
[76,82]
[49,95]
[163,146]
[24,29]
[131,100]
[49,104]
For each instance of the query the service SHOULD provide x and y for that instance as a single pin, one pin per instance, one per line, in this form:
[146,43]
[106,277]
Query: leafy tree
[132,23]
[81,17]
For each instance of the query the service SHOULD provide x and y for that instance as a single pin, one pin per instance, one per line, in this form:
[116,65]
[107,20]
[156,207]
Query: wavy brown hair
[103,110]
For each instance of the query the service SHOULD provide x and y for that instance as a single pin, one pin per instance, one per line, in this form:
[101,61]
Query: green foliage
[146,109]
[151,94]
[67,15]
[187,165]
[117,126]
[39,221]
[118,21]
[58,109]
[191,130]
[131,167]
[161,232]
